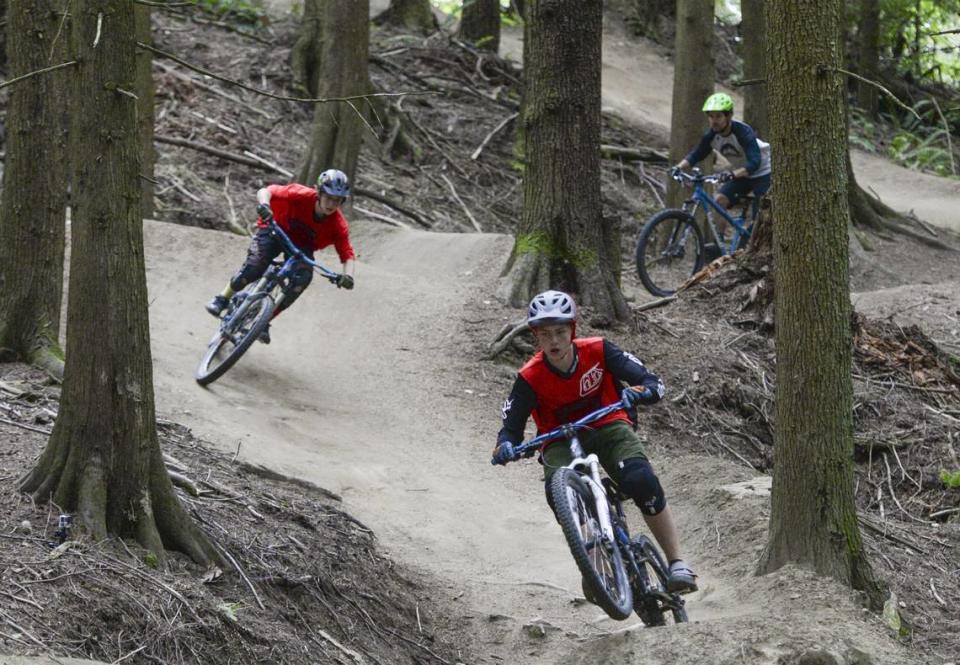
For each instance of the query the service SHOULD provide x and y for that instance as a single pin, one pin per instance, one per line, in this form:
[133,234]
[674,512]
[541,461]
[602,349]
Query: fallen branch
[382,218]
[463,205]
[486,140]
[506,335]
[357,191]
[633,154]
[659,302]
[216,152]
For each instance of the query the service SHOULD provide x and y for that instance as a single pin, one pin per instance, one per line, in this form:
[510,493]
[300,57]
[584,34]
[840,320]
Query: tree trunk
[869,55]
[103,459]
[754,66]
[304,56]
[145,109]
[3,33]
[480,23]
[415,15]
[342,48]
[32,222]
[813,518]
[693,75]
[563,241]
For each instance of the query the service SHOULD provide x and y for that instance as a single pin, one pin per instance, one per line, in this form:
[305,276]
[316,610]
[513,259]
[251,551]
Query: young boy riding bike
[749,157]
[312,219]
[567,379]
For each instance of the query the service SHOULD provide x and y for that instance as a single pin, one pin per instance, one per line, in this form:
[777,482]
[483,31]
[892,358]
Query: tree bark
[145,109]
[415,15]
[305,54]
[342,48]
[693,74]
[33,205]
[813,518]
[103,459]
[3,33]
[869,34]
[754,66]
[480,23]
[563,241]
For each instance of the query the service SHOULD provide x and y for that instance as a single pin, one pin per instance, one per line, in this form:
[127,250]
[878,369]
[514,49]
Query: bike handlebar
[297,252]
[570,428]
[693,179]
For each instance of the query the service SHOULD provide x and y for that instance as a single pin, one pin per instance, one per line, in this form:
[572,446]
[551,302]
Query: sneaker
[217,305]
[265,335]
[681,578]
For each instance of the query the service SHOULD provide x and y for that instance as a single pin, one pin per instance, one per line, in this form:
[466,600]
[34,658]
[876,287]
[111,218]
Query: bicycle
[672,248]
[624,574]
[249,311]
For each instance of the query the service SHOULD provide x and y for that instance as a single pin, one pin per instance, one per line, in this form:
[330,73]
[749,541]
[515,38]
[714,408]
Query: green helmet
[718,101]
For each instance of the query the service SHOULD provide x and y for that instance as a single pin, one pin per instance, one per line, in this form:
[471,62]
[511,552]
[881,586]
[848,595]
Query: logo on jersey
[591,380]
[728,150]
[505,409]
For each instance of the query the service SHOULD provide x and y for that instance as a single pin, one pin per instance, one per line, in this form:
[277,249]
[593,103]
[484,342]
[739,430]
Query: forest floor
[345,467]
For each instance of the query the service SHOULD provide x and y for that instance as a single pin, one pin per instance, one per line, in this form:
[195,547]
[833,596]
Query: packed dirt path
[638,86]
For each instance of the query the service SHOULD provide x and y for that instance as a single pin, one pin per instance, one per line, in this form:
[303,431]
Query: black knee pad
[638,481]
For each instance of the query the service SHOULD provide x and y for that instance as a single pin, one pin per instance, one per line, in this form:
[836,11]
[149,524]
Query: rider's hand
[634,396]
[264,211]
[344,281]
[503,453]
[675,171]
[725,176]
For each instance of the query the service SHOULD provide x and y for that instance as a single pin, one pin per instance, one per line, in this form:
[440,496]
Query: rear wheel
[598,559]
[669,251]
[233,339]
[651,601]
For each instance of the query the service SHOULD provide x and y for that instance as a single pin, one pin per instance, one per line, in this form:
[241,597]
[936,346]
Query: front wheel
[242,328]
[598,559]
[670,250]
[650,597]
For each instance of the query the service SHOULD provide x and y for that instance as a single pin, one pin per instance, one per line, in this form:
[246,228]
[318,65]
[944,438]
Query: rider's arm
[751,150]
[264,195]
[628,368]
[703,149]
[516,410]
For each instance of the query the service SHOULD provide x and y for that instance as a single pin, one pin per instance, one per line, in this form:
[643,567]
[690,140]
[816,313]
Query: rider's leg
[299,281]
[264,247]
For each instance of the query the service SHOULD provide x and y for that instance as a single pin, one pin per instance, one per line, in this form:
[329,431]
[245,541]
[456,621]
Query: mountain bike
[249,311]
[623,574]
[672,247]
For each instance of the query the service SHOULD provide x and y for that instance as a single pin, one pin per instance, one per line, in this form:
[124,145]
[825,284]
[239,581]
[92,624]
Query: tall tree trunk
[563,241]
[342,49]
[813,518]
[3,33]
[754,66]
[693,74]
[415,15]
[145,93]
[480,23]
[103,459]
[32,222]
[869,34]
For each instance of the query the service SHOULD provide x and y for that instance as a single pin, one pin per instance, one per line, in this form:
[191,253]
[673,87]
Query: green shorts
[612,443]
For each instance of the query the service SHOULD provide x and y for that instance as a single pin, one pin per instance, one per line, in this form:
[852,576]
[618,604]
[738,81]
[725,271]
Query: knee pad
[638,481]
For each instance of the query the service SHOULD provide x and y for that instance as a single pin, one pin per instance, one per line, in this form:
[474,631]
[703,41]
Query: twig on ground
[463,205]
[486,140]
[382,218]
[386,200]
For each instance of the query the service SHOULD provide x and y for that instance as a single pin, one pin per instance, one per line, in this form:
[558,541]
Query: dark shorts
[612,443]
[738,188]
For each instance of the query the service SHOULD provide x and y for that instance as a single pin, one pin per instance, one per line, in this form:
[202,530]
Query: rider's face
[556,342]
[326,204]
[719,121]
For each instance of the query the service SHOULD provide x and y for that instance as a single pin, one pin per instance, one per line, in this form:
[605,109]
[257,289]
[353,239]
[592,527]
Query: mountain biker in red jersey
[312,219]
[567,379]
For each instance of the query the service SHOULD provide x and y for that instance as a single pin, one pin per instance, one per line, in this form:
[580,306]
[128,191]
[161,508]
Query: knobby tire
[662,265]
[257,312]
[652,574]
[600,563]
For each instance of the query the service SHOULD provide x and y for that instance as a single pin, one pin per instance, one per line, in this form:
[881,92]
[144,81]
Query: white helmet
[551,307]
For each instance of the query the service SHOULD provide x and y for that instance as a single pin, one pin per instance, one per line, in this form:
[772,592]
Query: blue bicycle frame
[700,197]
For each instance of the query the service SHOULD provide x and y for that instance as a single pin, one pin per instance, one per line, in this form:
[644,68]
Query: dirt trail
[638,86]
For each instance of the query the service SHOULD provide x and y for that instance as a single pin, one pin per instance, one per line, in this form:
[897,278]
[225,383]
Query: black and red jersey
[554,398]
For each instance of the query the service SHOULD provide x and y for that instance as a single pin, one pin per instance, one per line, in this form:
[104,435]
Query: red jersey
[561,399]
[294,211]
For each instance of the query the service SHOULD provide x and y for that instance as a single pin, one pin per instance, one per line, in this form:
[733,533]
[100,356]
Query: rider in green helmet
[736,141]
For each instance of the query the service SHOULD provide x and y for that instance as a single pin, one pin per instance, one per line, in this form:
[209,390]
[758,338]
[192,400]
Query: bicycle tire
[601,564]
[257,310]
[652,574]
[663,264]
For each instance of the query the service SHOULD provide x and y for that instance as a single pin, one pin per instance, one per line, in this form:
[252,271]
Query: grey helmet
[551,307]
[334,183]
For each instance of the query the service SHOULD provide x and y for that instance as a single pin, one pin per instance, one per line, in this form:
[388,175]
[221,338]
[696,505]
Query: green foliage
[912,142]
[950,478]
[250,12]
[938,57]
[151,560]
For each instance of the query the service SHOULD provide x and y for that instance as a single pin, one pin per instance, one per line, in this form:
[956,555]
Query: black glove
[675,171]
[265,212]
[344,281]
[503,453]
[725,176]
[633,396]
